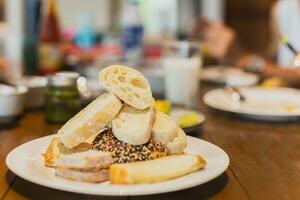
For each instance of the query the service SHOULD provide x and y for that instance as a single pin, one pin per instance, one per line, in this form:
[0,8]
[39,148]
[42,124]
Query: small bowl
[12,99]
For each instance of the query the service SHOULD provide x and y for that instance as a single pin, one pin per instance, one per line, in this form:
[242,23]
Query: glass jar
[62,98]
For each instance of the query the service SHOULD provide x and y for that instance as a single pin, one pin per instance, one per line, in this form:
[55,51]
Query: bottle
[49,51]
[132,32]
[62,97]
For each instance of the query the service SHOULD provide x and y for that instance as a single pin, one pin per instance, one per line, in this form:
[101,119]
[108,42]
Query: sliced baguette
[90,176]
[128,84]
[133,126]
[160,169]
[56,149]
[164,129]
[90,120]
[91,160]
[178,144]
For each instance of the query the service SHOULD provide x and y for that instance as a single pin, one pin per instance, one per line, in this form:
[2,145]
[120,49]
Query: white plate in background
[278,104]
[27,162]
[228,76]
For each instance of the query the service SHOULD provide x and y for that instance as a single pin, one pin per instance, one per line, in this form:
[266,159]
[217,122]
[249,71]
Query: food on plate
[56,149]
[188,119]
[90,160]
[121,137]
[90,120]
[164,106]
[123,152]
[132,125]
[128,84]
[88,166]
[160,169]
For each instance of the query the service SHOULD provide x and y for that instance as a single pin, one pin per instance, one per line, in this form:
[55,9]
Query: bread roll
[133,126]
[90,120]
[128,84]
[156,170]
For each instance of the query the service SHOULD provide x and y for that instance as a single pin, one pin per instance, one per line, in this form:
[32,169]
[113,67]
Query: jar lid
[63,79]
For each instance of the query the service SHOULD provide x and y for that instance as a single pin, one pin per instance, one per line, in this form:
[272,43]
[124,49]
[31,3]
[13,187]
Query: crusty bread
[90,120]
[160,169]
[178,144]
[86,176]
[133,126]
[91,160]
[128,84]
[164,129]
[56,149]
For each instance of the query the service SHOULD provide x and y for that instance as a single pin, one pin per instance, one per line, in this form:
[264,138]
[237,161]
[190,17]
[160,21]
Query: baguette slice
[91,160]
[164,129]
[90,120]
[160,169]
[178,144]
[133,126]
[90,176]
[56,149]
[128,84]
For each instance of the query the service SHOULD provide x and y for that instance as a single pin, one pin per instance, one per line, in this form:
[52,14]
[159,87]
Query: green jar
[62,98]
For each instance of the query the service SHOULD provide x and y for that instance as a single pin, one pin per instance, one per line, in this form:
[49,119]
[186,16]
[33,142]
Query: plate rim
[68,188]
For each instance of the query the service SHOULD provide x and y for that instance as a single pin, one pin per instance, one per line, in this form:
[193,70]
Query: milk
[182,80]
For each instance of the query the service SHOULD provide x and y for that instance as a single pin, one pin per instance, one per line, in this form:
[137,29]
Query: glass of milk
[181,72]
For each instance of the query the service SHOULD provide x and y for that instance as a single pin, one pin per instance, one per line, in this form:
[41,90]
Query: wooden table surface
[264,160]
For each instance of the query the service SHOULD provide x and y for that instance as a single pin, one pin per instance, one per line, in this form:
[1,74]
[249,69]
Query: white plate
[261,103]
[228,76]
[27,162]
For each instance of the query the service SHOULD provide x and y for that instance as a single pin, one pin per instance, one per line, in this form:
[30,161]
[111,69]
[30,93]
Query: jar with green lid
[62,98]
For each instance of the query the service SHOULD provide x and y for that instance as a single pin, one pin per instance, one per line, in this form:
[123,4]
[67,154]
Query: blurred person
[222,43]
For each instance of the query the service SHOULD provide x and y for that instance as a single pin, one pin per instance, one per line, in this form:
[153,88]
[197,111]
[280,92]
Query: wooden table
[265,160]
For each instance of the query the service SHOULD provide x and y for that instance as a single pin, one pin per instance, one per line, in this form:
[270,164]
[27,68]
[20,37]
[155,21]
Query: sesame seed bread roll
[156,170]
[90,120]
[133,126]
[128,84]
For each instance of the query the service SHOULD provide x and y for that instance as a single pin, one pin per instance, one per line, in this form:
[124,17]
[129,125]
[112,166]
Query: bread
[91,160]
[133,126]
[178,144]
[166,132]
[86,176]
[164,129]
[128,84]
[56,149]
[123,152]
[160,169]
[90,120]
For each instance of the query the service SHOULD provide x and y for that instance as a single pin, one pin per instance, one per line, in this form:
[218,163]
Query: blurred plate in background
[228,76]
[271,104]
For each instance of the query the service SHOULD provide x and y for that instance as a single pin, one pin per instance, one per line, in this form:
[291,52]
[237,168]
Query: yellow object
[164,106]
[284,39]
[273,82]
[188,119]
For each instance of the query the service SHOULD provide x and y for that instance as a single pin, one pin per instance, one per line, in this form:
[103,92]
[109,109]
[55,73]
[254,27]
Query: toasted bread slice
[91,160]
[128,84]
[133,126]
[160,169]
[178,144]
[56,149]
[86,176]
[164,129]
[90,120]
